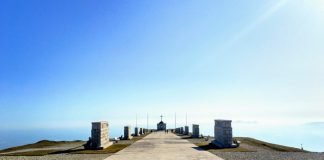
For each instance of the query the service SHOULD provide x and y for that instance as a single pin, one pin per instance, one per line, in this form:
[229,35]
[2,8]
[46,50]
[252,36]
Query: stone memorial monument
[99,136]
[177,130]
[186,131]
[136,131]
[195,131]
[127,132]
[223,134]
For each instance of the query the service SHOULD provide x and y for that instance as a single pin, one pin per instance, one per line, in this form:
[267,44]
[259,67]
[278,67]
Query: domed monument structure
[161,126]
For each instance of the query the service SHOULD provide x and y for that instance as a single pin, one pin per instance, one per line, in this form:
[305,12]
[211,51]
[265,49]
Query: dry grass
[39,144]
[45,143]
[209,147]
[249,141]
[111,149]
[268,146]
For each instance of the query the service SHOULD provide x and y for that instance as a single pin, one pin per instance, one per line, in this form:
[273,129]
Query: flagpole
[175,120]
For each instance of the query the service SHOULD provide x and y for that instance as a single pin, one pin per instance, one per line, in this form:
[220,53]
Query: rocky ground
[250,151]
[258,153]
[270,156]
[58,157]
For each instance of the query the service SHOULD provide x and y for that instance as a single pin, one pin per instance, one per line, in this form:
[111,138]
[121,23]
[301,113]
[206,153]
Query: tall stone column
[186,131]
[136,131]
[181,130]
[223,134]
[195,131]
[99,136]
[177,130]
[127,132]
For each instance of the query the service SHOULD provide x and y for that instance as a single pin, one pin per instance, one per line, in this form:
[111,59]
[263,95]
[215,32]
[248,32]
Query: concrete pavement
[162,146]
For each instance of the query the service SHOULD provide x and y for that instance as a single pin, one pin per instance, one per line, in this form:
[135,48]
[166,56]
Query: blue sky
[67,63]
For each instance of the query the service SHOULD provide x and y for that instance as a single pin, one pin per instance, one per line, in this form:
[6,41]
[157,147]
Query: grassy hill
[247,145]
[39,144]
[267,145]
[46,147]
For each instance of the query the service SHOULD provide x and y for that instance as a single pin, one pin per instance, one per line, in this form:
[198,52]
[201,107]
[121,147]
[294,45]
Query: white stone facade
[223,134]
[100,135]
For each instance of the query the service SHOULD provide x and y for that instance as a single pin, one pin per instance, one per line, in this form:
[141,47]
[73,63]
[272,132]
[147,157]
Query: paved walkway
[161,146]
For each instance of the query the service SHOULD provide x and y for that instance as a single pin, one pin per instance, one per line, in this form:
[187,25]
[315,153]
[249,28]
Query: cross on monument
[161,117]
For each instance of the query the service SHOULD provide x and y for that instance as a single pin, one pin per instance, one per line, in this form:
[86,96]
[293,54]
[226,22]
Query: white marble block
[100,135]
[223,134]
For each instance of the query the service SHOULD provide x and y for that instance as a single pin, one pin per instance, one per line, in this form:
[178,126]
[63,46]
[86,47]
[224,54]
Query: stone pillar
[127,132]
[195,131]
[178,130]
[99,135]
[186,131]
[136,131]
[223,134]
